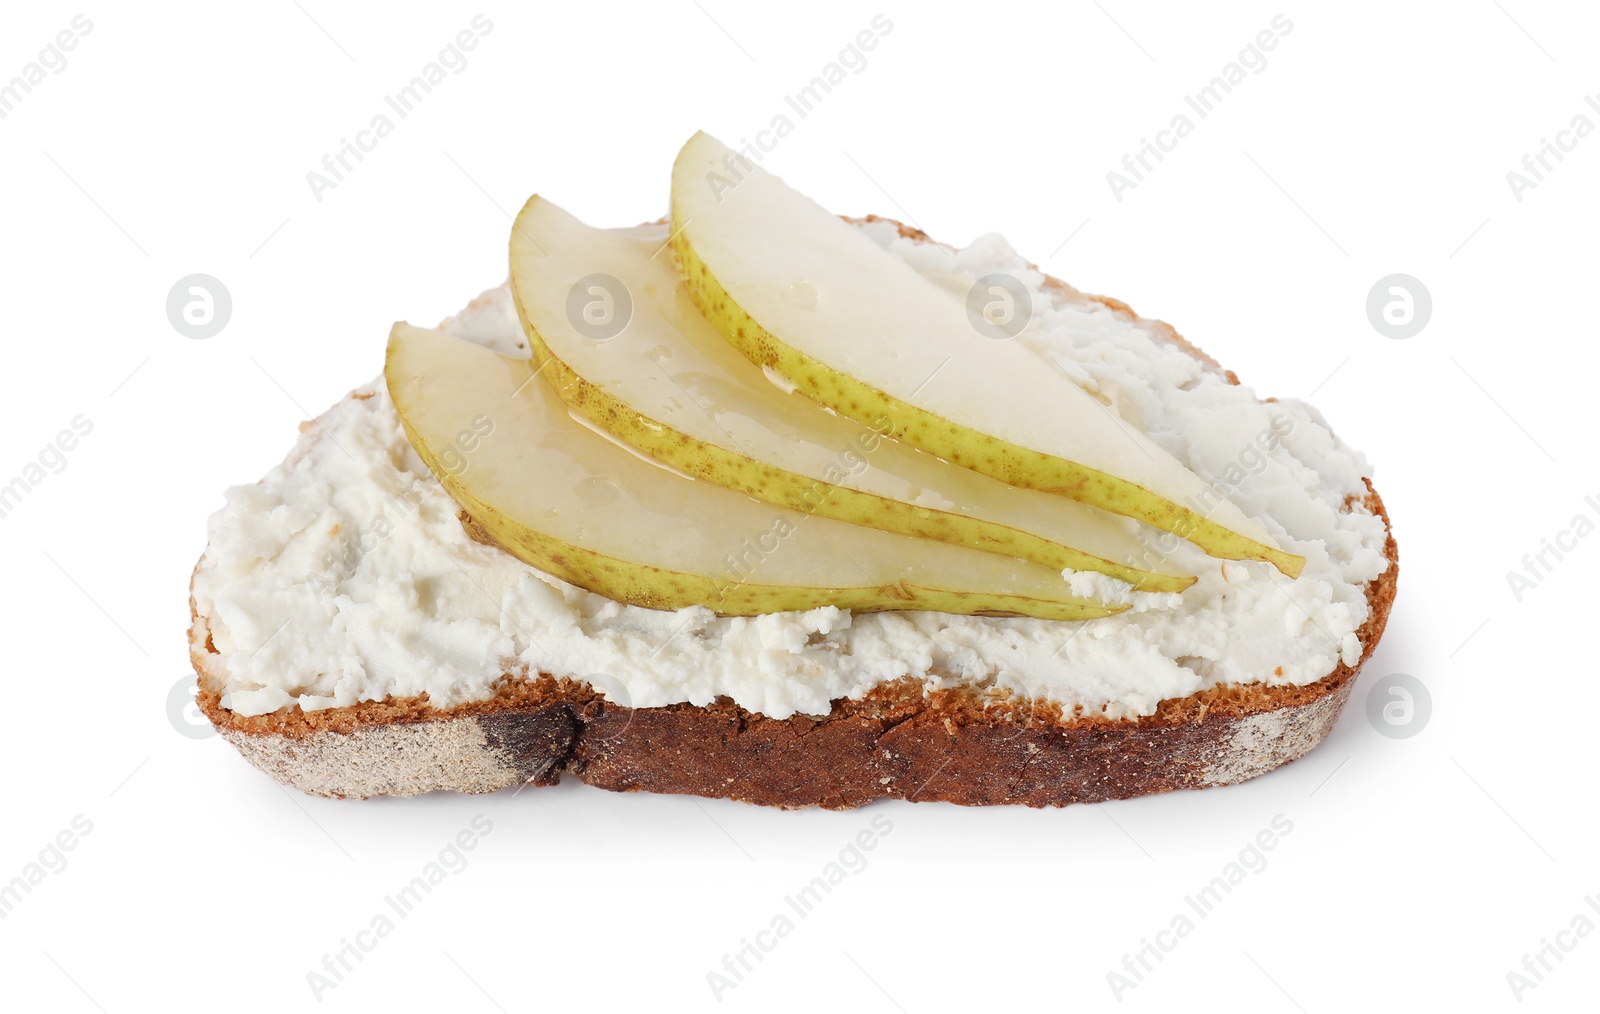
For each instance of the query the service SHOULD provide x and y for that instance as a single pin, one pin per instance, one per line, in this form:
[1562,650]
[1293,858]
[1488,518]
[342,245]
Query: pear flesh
[666,383]
[875,340]
[561,497]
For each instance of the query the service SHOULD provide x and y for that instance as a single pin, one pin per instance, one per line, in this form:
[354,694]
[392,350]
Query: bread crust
[965,745]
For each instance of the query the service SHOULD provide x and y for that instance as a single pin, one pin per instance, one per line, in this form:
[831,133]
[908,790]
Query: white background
[1419,872]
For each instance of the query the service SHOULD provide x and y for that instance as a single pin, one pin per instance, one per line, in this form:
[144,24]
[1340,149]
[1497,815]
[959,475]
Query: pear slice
[666,383]
[875,341]
[546,488]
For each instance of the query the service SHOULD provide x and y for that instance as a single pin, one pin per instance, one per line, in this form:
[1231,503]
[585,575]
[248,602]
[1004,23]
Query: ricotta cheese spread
[345,576]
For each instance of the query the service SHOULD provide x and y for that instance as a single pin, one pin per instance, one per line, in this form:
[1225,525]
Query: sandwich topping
[345,574]
[736,492]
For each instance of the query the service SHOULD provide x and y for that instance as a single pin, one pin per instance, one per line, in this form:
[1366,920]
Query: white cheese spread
[345,576]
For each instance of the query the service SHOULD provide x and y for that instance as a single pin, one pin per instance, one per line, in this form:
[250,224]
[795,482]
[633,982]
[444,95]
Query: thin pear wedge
[810,297]
[661,379]
[546,488]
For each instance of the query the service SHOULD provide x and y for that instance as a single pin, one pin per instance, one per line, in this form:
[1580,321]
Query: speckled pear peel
[875,316]
[558,496]
[668,385]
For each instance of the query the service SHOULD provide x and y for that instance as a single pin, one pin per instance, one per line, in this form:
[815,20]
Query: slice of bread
[966,744]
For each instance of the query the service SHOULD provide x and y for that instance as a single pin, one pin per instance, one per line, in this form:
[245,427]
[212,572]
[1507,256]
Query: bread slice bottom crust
[968,745]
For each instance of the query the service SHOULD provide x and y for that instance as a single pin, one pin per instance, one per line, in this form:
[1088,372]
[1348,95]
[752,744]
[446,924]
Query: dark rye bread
[969,745]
